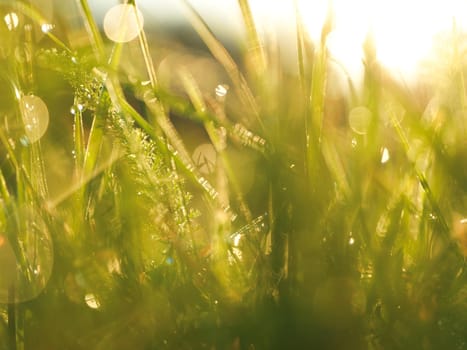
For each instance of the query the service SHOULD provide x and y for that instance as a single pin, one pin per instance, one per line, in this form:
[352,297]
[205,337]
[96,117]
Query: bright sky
[403,29]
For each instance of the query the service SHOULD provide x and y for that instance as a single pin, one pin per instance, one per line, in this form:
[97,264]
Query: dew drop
[221,90]
[24,141]
[35,117]
[46,27]
[11,20]
[123,23]
[367,273]
[92,301]
[385,155]
[113,265]
[359,120]
[236,240]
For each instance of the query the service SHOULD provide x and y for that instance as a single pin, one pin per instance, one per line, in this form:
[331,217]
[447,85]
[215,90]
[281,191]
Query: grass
[331,220]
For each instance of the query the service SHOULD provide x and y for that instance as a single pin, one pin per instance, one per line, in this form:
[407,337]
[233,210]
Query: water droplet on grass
[221,91]
[385,155]
[366,273]
[46,27]
[35,117]
[24,141]
[11,20]
[92,301]
[236,240]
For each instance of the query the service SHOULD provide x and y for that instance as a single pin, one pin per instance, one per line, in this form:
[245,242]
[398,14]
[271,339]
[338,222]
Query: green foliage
[321,219]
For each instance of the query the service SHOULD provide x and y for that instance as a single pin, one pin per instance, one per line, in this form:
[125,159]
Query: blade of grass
[236,131]
[255,47]
[146,53]
[93,30]
[40,20]
[314,122]
[194,94]
[300,37]
[55,202]
[176,149]
[422,180]
[223,57]
[334,164]
[5,193]
[37,170]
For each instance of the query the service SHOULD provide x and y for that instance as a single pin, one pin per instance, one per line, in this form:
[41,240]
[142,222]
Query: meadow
[159,196]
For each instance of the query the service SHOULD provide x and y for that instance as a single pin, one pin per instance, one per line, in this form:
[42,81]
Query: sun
[403,31]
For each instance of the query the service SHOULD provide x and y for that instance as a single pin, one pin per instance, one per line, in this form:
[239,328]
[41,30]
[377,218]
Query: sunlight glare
[403,31]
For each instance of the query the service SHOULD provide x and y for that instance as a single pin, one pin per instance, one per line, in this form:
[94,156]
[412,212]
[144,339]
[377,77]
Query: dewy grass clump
[255,208]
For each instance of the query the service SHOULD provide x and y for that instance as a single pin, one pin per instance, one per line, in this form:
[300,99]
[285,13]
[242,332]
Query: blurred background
[404,32]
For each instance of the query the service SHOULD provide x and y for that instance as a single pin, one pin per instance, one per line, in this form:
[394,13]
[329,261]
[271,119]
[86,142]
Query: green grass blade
[221,54]
[255,48]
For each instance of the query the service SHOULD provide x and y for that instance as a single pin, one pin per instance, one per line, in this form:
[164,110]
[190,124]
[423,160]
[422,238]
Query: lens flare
[403,31]
[123,23]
